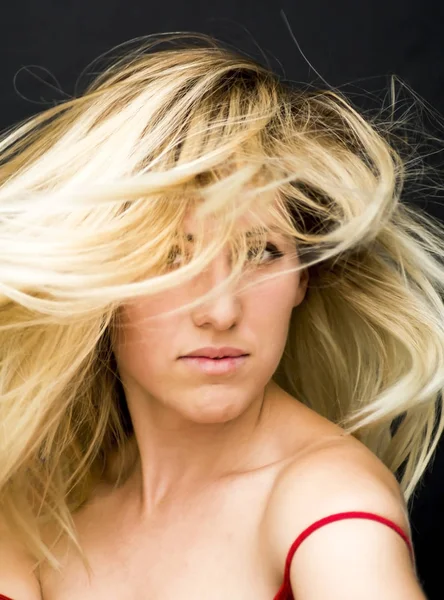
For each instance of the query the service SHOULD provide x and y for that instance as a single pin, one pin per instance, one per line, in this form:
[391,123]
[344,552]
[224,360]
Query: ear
[302,287]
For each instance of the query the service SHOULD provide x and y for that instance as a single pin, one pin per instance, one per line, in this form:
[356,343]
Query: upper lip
[213,352]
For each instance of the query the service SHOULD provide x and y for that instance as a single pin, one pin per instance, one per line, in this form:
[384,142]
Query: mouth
[215,366]
[219,353]
[215,357]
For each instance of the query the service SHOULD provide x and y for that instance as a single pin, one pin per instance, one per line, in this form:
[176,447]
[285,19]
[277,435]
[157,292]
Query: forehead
[252,222]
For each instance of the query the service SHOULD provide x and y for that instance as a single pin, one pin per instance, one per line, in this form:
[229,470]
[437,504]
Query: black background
[355,45]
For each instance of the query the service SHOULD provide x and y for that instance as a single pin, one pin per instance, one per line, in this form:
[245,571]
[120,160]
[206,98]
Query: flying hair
[94,193]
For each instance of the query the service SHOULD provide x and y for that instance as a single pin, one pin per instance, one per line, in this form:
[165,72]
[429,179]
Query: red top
[285,592]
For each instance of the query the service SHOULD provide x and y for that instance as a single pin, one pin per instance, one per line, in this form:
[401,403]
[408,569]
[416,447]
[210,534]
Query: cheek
[270,306]
[142,328]
[275,299]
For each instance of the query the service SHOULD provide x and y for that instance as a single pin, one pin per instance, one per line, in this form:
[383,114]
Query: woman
[221,338]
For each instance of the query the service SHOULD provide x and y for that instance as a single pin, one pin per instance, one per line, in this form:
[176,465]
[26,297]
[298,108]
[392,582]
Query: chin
[213,411]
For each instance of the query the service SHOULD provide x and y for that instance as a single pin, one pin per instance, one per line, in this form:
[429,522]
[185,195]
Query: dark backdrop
[356,45]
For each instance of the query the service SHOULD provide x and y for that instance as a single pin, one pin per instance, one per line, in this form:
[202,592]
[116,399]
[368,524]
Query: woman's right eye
[175,257]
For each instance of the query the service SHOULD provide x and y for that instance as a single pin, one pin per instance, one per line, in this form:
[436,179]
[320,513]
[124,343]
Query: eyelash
[274,251]
[271,248]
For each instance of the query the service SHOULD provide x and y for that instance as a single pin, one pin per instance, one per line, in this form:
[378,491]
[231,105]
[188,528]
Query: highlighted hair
[93,194]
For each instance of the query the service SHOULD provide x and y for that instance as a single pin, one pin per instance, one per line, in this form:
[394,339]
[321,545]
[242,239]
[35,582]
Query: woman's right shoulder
[18,576]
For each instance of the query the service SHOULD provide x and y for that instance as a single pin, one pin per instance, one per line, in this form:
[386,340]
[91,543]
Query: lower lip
[214,366]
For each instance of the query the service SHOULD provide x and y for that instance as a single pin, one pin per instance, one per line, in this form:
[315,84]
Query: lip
[213,352]
[215,366]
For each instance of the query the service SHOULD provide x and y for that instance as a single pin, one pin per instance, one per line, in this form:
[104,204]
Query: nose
[224,310]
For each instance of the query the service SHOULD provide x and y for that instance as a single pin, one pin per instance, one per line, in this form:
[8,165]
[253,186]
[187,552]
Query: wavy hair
[93,194]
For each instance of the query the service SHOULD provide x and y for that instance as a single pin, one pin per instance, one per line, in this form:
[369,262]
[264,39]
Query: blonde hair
[93,193]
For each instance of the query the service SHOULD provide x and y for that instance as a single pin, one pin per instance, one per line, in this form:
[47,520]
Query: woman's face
[151,347]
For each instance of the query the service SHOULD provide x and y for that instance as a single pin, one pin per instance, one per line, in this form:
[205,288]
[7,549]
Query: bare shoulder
[339,475]
[18,579]
[336,475]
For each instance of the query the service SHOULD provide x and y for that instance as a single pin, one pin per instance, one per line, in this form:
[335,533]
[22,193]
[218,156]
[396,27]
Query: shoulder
[18,578]
[339,475]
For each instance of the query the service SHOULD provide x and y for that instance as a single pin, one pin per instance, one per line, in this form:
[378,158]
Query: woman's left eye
[269,253]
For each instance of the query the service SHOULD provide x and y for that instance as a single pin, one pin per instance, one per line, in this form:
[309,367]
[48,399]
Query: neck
[180,458]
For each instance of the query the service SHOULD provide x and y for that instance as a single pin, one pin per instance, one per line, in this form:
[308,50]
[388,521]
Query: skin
[192,427]
[231,468]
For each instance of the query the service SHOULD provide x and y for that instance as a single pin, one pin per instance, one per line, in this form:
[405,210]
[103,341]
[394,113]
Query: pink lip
[216,353]
[215,366]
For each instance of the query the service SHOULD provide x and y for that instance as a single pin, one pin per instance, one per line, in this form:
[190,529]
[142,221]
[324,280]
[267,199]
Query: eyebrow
[249,234]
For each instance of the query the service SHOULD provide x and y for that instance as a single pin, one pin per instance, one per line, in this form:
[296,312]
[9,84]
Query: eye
[175,257]
[269,254]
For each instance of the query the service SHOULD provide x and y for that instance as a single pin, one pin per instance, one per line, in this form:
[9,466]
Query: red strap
[285,592]
[4,597]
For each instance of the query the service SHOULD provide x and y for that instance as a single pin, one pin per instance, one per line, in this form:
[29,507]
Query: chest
[210,549]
